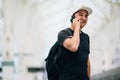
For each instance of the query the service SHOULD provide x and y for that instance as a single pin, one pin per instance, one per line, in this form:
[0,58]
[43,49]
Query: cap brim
[89,10]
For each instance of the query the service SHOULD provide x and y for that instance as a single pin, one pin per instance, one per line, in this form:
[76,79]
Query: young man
[75,48]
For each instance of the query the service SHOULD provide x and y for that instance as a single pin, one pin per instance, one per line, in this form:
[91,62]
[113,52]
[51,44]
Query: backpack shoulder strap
[67,31]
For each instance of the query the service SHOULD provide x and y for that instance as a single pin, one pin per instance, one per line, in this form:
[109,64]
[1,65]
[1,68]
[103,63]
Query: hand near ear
[76,24]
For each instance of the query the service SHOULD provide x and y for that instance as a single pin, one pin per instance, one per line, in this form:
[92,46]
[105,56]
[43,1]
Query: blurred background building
[28,28]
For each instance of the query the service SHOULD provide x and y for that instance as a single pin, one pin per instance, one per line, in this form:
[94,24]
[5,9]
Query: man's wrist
[78,29]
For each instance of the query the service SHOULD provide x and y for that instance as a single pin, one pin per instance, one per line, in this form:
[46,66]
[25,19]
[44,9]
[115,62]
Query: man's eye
[80,14]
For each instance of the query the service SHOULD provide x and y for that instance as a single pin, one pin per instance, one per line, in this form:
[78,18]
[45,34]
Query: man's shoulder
[85,33]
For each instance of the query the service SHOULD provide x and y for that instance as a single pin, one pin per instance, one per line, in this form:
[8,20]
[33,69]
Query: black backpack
[54,60]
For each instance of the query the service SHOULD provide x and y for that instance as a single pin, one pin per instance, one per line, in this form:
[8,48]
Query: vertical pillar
[7,64]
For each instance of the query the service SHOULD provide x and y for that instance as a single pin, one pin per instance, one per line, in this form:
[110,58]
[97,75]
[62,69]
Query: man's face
[82,15]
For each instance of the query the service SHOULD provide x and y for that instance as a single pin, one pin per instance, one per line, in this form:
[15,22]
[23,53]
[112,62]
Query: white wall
[33,26]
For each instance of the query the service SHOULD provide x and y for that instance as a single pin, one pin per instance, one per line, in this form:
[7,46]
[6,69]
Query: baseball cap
[88,9]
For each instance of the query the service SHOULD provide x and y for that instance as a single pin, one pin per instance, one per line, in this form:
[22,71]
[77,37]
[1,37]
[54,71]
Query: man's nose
[84,17]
